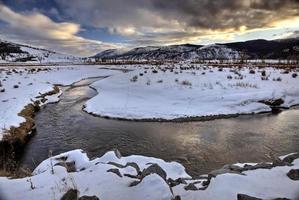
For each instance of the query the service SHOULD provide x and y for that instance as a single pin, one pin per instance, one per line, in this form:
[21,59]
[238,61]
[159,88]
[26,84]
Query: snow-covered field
[137,177]
[149,92]
[21,86]
[153,92]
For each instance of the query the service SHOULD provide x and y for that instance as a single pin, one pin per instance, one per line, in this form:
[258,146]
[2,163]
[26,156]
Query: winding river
[200,146]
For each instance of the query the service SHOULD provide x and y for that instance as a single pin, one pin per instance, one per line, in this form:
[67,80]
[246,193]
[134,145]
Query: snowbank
[154,93]
[22,86]
[137,177]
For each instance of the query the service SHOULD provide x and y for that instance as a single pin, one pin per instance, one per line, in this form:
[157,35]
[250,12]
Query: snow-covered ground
[137,177]
[150,93]
[21,86]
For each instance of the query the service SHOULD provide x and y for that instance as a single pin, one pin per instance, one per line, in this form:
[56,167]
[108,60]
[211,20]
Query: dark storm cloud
[217,14]
[67,25]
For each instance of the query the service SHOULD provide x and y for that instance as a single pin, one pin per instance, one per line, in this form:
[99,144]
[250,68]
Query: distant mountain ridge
[253,49]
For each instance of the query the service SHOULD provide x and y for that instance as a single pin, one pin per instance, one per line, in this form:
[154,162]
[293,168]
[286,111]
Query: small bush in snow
[160,81]
[0,84]
[229,77]
[203,73]
[176,72]
[245,85]
[134,79]
[141,74]
[277,79]
[187,83]
[264,78]
[2,90]
[155,71]
[294,75]
[15,86]
[285,71]
[220,69]
[251,71]
[263,73]
[148,82]
[176,80]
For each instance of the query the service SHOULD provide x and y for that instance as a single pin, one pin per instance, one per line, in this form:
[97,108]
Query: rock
[173,183]
[291,158]
[71,194]
[131,176]
[293,174]
[246,197]
[272,102]
[177,197]
[258,166]
[70,166]
[226,169]
[117,153]
[190,186]
[134,183]
[154,169]
[115,171]
[134,165]
[89,198]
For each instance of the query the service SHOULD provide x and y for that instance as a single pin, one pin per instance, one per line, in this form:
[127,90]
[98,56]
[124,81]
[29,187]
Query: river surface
[200,146]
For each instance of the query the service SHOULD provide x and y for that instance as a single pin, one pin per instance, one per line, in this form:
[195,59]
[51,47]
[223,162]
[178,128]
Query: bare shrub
[134,78]
[251,71]
[15,86]
[244,85]
[229,77]
[263,73]
[277,79]
[160,81]
[186,82]
[148,82]
[294,75]
[176,80]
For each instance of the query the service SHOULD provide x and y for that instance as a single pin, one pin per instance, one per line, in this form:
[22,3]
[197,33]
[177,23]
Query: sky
[86,27]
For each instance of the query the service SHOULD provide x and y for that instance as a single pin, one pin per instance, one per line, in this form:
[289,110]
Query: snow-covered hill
[254,49]
[173,52]
[12,52]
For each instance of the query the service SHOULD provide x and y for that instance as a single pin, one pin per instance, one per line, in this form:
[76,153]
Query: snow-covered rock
[115,177]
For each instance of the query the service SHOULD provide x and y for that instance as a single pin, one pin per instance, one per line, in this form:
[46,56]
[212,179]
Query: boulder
[293,174]
[89,198]
[71,194]
[246,197]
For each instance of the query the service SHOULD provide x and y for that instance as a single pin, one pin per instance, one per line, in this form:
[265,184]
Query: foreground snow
[22,86]
[202,91]
[137,177]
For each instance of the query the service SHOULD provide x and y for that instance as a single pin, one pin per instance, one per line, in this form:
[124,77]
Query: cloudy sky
[85,27]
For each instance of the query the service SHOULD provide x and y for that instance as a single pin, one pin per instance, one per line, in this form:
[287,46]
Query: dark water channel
[200,146]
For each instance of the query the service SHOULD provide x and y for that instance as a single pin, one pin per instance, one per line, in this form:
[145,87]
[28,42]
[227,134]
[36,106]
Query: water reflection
[199,146]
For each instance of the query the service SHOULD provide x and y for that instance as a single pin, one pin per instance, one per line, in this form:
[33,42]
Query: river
[200,146]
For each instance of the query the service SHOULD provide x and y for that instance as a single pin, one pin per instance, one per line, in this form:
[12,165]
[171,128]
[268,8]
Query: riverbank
[22,92]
